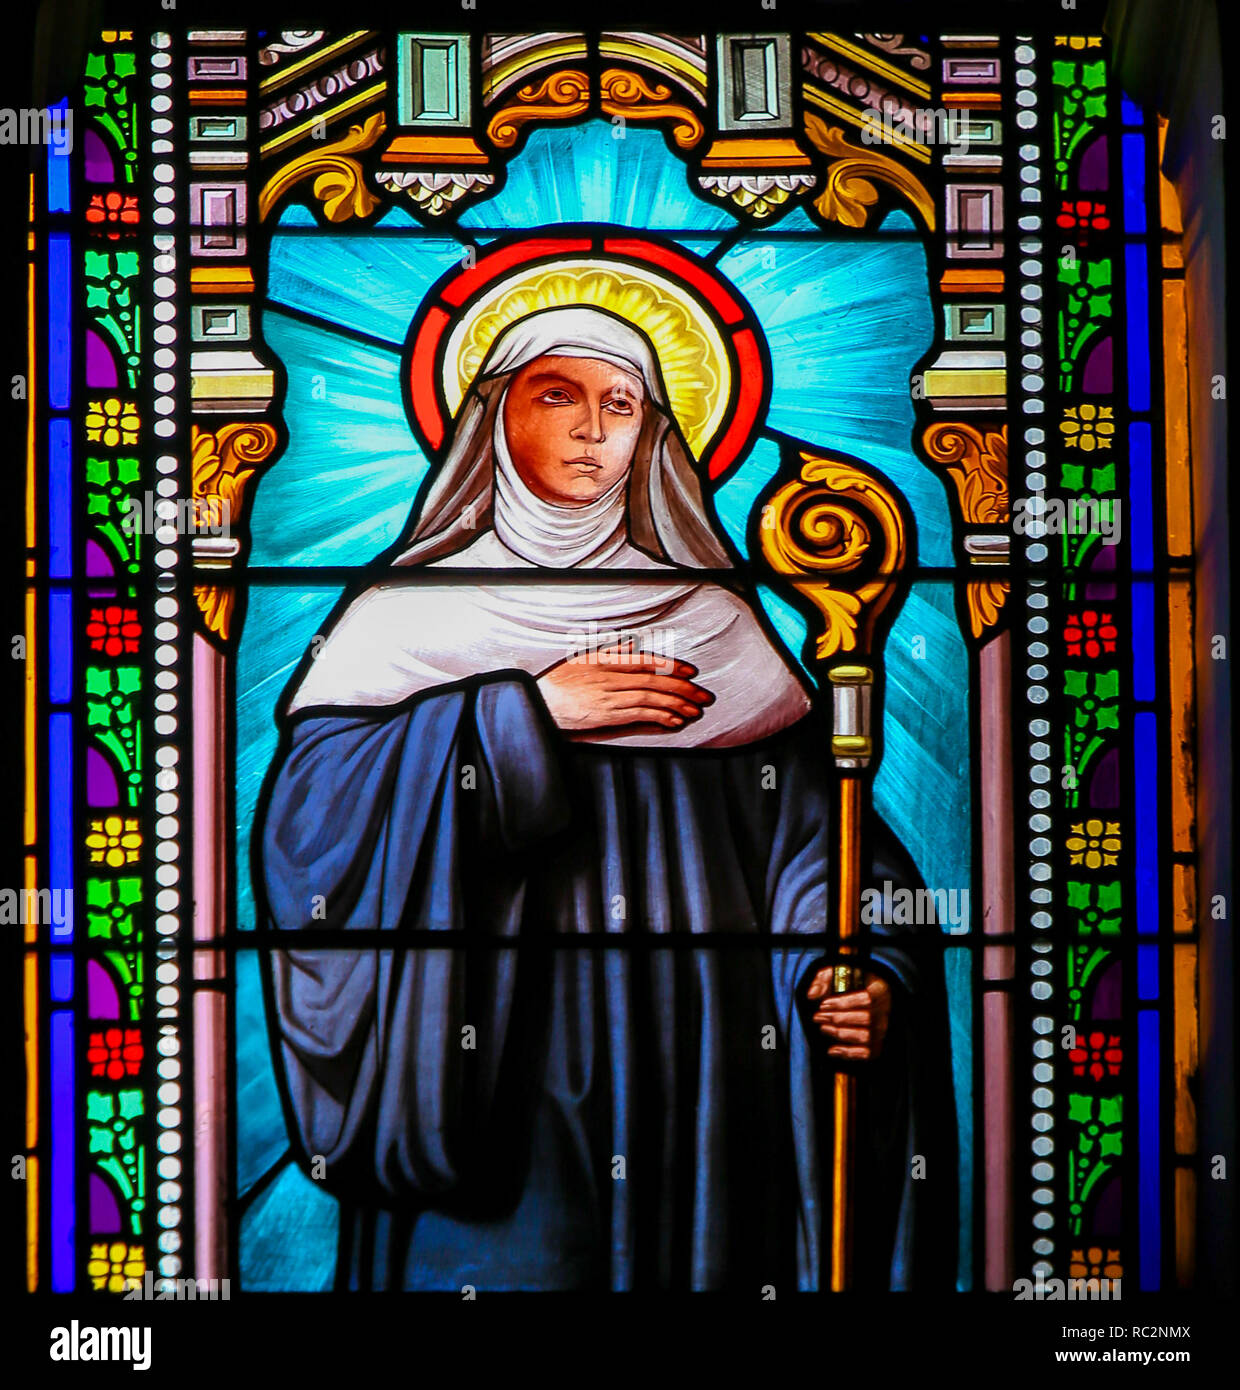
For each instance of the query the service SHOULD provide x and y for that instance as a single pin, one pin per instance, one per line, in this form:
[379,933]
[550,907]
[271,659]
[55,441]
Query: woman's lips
[583,463]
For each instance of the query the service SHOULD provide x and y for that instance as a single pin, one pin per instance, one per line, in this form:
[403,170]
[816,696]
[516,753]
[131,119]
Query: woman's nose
[589,425]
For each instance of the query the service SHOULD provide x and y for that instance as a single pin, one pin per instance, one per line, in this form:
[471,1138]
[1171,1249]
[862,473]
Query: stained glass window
[903,321]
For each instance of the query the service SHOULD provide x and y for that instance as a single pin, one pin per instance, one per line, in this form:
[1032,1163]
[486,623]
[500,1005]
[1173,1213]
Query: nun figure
[577,826]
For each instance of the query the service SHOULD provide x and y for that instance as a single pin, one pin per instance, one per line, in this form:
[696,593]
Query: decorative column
[229,380]
[964,386]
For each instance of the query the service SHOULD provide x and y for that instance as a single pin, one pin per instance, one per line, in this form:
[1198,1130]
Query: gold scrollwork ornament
[223,461]
[339,183]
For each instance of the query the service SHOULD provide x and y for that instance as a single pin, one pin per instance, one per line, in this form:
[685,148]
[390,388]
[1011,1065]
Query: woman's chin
[576,494]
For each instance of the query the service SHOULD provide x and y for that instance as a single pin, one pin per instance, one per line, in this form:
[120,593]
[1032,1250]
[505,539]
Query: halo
[705,338]
[691,351]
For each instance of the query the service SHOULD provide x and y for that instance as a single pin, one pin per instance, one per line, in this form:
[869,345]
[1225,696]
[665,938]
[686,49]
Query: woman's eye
[556,397]
[619,406]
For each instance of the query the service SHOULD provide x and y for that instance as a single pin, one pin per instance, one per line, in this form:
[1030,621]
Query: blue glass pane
[1145,770]
[344,488]
[58,198]
[289,1237]
[320,275]
[1138,327]
[581,174]
[59,357]
[279,625]
[845,323]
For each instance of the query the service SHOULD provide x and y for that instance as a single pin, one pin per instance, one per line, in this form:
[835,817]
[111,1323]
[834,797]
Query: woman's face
[572,425]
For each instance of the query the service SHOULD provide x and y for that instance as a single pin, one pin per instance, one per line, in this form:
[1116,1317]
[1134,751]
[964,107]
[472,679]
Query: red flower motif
[1084,216]
[113,208]
[1100,1055]
[1090,633]
[113,630]
[115,1054]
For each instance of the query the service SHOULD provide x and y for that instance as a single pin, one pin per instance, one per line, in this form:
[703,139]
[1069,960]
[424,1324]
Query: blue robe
[608,1107]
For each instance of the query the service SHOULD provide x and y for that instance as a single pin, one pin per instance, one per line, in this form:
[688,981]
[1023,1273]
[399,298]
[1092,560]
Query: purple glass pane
[100,780]
[105,1212]
[100,365]
[101,992]
[1104,559]
[1094,167]
[1104,784]
[98,562]
[1098,379]
[99,166]
[1108,994]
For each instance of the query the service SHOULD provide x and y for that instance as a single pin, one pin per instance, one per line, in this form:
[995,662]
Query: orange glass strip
[979,281]
[746,150]
[1175,375]
[30,988]
[31,875]
[32,1223]
[30,1000]
[990,100]
[218,96]
[1180,688]
[31,691]
[1183,898]
[1168,199]
[1185,987]
[237,279]
[32,533]
[433,149]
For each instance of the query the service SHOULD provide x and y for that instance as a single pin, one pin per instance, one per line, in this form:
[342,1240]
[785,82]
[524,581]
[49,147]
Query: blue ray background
[845,321]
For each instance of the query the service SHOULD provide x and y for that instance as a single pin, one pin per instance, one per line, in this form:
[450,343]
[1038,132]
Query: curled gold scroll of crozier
[833,522]
[558,97]
[339,183]
[849,190]
[628,95]
[222,463]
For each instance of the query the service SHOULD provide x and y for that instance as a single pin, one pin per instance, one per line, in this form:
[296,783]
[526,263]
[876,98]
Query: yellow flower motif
[1094,844]
[111,1266]
[1094,1263]
[1087,427]
[113,841]
[112,421]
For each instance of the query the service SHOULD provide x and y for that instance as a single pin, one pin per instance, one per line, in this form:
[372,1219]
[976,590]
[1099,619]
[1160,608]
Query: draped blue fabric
[622,1109]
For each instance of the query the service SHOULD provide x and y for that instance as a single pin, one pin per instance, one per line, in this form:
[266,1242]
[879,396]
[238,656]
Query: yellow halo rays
[690,349]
